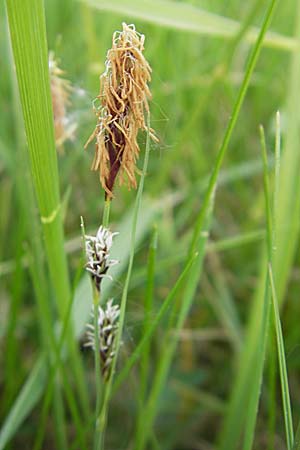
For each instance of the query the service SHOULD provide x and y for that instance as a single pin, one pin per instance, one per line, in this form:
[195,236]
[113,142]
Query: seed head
[107,329]
[97,250]
[123,97]
[60,92]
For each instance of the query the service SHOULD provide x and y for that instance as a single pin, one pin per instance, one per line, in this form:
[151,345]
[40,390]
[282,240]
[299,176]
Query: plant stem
[106,211]
[108,388]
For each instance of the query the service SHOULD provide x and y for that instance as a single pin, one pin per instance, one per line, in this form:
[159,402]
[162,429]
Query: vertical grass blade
[200,236]
[102,420]
[245,397]
[288,208]
[286,402]
[148,313]
[27,398]
[256,371]
[28,38]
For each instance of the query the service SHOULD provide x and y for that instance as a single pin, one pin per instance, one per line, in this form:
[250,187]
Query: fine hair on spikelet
[123,97]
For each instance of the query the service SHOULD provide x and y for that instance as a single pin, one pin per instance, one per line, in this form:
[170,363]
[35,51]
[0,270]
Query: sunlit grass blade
[182,16]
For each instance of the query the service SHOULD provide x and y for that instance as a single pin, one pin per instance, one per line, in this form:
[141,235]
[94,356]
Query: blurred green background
[197,71]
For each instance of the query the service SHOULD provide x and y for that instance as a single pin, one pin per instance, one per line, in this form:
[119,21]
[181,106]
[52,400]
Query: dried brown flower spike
[124,95]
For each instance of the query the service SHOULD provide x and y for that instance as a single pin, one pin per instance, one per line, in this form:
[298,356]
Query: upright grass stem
[102,420]
[200,237]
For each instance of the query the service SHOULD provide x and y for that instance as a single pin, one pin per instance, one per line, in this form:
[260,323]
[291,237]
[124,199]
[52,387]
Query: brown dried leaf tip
[123,97]
[60,92]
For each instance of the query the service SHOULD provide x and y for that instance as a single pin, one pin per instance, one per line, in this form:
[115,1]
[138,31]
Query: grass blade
[26,400]
[148,312]
[289,430]
[29,43]
[28,38]
[288,207]
[259,345]
[199,242]
[186,17]
[153,326]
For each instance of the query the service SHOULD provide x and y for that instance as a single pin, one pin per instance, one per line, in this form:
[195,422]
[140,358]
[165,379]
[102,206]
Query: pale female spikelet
[97,249]
[106,329]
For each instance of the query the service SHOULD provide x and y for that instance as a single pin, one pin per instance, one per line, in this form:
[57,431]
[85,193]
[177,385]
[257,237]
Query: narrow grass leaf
[259,345]
[288,207]
[199,239]
[26,400]
[138,351]
[186,17]
[287,410]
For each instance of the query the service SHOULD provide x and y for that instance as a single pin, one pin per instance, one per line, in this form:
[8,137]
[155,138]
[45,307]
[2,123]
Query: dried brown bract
[124,95]
[60,92]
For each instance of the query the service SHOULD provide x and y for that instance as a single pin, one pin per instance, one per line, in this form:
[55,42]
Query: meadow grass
[206,353]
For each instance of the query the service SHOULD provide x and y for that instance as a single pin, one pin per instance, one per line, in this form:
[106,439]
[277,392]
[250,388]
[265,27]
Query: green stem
[106,211]
[96,303]
[108,389]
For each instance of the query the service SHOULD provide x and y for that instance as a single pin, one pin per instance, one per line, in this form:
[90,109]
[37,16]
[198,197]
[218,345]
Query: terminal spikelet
[123,97]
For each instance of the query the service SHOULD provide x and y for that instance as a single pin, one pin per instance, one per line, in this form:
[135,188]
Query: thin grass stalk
[102,420]
[59,419]
[287,410]
[148,311]
[138,351]
[259,352]
[28,38]
[272,394]
[279,336]
[96,304]
[297,439]
[272,339]
[288,207]
[200,231]
[58,364]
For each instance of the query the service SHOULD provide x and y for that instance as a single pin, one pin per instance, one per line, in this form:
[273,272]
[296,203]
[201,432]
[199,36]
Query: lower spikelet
[123,97]
[107,330]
